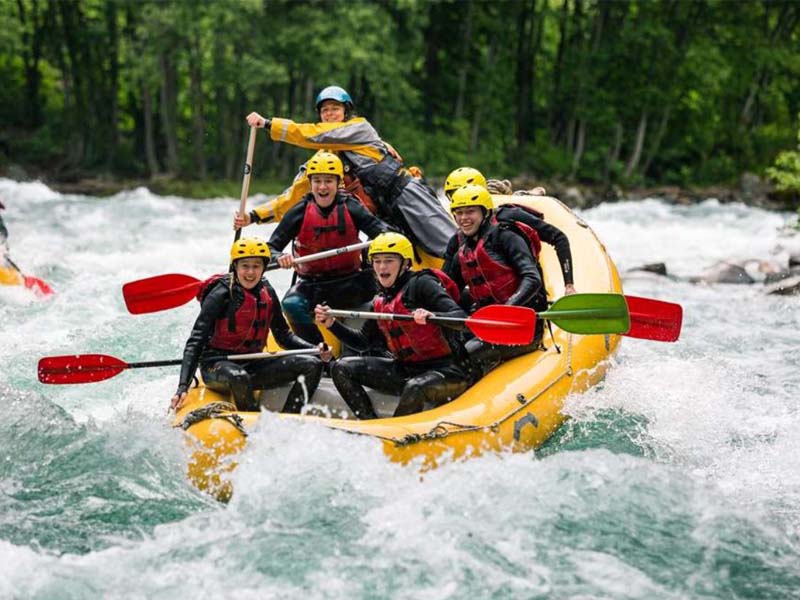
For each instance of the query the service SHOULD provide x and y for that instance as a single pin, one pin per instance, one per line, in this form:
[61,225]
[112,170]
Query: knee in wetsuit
[229,377]
[353,393]
[309,372]
[297,309]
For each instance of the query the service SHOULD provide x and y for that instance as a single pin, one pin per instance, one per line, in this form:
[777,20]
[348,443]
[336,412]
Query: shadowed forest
[626,91]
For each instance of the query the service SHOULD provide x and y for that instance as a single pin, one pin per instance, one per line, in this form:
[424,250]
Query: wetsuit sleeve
[285,337]
[275,209]
[429,294]
[364,220]
[550,234]
[287,229]
[359,340]
[353,135]
[515,249]
[213,308]
[451,266]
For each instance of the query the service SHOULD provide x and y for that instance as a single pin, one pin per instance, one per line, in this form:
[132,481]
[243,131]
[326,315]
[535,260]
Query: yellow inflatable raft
[515,407]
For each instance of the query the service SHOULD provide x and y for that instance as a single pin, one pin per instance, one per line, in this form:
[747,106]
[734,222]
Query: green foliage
[598,90]
[786,171]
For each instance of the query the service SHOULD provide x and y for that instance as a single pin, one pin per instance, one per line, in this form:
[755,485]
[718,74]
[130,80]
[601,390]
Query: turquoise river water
[678,477]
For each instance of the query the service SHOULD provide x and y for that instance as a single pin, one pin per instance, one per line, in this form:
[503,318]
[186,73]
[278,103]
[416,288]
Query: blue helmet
[334,92]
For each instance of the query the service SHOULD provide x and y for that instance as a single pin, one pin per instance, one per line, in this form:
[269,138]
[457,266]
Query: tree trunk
[641,131]
[463,69]
[556,118]
[169,112]
[613,152]
[112,85]
[31,54]
[655,145]
[477,117]
[74,76]
[577,155]
[524,83]
[198,112]
[149,133]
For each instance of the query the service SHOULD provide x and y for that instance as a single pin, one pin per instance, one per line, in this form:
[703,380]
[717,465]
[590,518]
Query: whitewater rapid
[678,477]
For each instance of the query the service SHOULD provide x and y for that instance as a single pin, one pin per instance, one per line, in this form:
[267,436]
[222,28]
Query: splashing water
[677,477]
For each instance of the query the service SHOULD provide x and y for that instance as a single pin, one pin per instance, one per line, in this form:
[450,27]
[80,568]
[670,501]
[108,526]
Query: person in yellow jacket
[401,200]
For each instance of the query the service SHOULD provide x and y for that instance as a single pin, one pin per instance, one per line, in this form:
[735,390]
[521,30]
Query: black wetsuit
[3,237]
[548,234]
[420,385]
[509,248]
[241,378]
[346,292]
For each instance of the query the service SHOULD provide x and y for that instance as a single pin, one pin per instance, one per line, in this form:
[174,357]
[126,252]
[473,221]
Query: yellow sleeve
[355,135]
[277,207]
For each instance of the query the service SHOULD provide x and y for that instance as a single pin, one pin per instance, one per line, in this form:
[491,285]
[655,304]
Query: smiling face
[249,272]
[324,189]
[331,111]
[469,219]
[387,268]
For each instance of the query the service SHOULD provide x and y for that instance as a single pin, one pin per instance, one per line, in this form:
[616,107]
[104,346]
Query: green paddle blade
[590,313]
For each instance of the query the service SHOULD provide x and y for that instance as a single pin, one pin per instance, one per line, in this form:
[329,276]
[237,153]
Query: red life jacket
[245,330]
[530,234]
[353,186]
[489,281]
[408,341]
[318,233]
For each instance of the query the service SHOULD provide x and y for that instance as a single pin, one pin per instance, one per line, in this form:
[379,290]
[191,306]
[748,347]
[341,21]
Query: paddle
[162,292]
[654,319]
[32,283]
[590,313]
[88,368]
[514,325]
[248,169]
[496,324]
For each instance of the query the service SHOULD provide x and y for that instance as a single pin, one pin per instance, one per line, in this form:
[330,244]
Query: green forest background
[624,92]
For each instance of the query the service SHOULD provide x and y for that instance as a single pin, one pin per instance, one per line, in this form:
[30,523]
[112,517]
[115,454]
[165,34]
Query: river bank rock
[751,190]
[786,283]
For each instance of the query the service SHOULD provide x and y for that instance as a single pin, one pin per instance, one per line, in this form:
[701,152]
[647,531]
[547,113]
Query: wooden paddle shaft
[248,169]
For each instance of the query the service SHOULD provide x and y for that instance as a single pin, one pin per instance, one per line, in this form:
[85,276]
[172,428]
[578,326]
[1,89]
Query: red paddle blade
[159,293]
[506,325]
[654,319]
[38,285]
[79,368]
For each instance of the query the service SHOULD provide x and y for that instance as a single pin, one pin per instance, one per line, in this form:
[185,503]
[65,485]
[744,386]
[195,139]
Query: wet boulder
[787,285]
[657,268]
[724,272]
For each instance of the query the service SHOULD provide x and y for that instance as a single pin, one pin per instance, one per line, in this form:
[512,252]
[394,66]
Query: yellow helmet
[471,195]
[250,248]
[462,176]
[391,243]
[324,162]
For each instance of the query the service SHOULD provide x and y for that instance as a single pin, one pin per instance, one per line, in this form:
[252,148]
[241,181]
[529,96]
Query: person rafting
[465,175]
[324,219]
[423,369]
[238,310]
[497,264]
[529,221]
[405,202]
[3,237]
